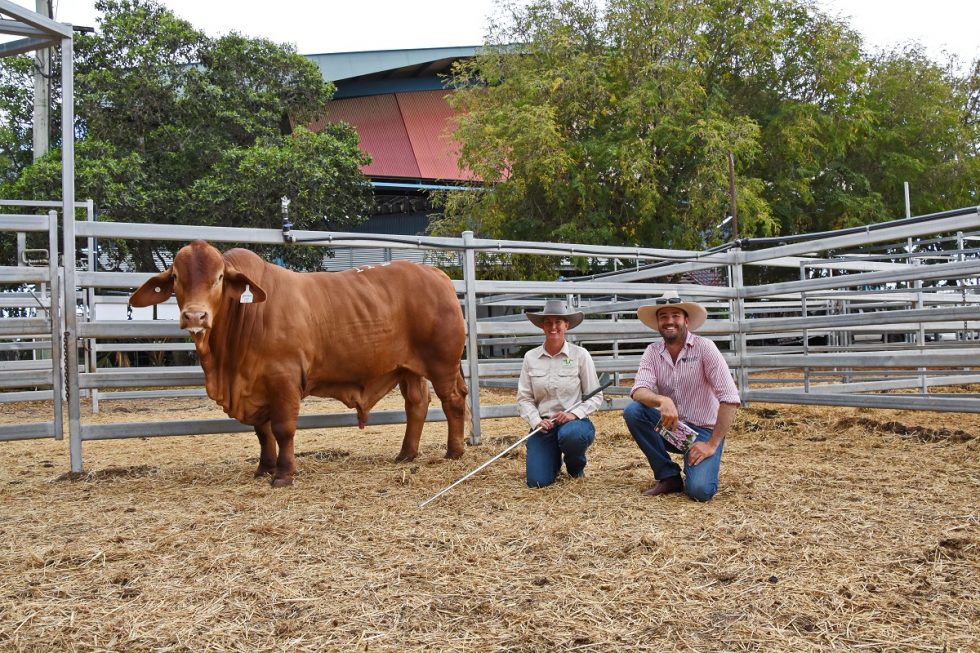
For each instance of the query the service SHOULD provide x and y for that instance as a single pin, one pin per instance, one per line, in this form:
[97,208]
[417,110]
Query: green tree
[612,123]
[16,110]
[179,128]
[921,129]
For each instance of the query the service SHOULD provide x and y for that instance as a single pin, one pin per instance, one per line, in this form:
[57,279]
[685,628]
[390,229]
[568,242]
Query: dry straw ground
[834,529]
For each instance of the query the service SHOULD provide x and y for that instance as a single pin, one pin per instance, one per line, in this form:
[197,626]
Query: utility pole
[731,194]
[42,90]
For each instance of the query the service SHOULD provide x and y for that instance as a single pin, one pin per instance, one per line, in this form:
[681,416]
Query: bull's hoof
[405,457]
[452,454]
[282,482]
[264,471]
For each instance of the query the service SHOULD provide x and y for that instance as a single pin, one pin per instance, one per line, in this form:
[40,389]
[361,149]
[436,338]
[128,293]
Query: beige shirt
[550,384]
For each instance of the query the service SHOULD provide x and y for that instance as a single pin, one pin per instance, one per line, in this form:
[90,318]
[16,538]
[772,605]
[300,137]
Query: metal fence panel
[874,316]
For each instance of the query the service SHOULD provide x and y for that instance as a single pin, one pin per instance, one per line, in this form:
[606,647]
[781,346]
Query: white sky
[318,26]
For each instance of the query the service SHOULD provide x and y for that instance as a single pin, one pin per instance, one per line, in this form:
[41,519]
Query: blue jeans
[701,480]
[545,451]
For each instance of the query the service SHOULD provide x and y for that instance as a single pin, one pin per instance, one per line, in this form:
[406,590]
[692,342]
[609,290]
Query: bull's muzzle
[195,320]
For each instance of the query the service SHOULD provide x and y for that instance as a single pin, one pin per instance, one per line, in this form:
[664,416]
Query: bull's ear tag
[246,296]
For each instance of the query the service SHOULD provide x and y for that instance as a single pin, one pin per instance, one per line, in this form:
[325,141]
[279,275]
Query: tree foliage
[612,123]
[175,127]
[16,110]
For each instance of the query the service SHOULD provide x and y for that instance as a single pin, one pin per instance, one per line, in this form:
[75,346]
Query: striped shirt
[551,384]
[697,383]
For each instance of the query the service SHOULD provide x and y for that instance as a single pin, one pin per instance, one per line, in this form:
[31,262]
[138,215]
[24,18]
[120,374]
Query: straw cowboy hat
[696,314]
[556,308]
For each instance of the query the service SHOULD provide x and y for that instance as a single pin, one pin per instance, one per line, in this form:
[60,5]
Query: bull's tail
[468,419]
[467,414]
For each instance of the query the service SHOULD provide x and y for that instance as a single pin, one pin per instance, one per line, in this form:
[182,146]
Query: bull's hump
[246,259]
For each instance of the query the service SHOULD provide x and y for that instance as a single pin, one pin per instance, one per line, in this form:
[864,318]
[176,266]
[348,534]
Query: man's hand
[700,451]
[668,413]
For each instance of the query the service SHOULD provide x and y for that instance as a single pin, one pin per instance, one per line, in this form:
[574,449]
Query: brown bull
[352,335]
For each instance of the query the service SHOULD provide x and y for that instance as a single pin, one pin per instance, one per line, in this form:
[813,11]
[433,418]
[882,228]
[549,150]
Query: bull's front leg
[267,450]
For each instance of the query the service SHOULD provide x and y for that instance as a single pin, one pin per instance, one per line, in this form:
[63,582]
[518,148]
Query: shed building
[396,101]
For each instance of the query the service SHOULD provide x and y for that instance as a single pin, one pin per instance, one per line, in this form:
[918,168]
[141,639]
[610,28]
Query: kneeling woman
[555,376]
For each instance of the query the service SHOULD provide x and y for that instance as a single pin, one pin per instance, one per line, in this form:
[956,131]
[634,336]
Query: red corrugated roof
[427,119]
[379,124]
[405,134]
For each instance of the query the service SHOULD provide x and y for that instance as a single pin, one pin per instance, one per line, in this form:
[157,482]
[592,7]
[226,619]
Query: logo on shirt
[568,362]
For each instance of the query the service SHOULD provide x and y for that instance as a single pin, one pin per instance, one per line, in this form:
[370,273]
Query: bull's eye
[221,277]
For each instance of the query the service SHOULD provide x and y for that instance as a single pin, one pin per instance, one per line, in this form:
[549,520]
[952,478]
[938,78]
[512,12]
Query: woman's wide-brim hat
[696,313]
[556,308]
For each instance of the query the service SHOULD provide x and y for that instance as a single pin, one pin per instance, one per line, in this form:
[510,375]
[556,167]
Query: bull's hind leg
[415,390]
[267,450]
[451,390]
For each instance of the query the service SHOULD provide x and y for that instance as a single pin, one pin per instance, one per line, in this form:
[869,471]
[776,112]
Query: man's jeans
[545,451]
[701,480]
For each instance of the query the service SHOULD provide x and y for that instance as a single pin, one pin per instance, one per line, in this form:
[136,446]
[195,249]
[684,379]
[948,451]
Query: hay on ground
[834,529]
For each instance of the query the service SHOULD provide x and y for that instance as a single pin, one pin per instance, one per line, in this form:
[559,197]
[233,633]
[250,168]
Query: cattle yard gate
[883,316]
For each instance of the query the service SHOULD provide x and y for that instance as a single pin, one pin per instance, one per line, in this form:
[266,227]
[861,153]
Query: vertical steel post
[472,354]
[615,319]
[921,335]
[737,312]
[847,338]
[54,314]
[732,200]
[965,334]
[21,248]
[831,309]
[960,256]
[42,91]
[91,346]
[68,252]
[806,332]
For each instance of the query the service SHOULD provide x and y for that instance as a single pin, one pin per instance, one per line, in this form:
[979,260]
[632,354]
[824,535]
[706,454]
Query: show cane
[604,382]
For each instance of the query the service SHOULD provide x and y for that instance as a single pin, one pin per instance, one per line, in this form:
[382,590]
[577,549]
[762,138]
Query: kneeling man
[684,400]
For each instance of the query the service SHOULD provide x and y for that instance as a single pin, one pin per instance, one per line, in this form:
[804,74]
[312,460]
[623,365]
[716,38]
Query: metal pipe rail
[318,421]
[837,322]
[897,402]
[13,432]
[955,358]
[914,273]
[26,378]
[350,239]
[11,327]
[890,384]
[132,377]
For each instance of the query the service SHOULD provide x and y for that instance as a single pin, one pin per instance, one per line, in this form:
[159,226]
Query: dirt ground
[834,529]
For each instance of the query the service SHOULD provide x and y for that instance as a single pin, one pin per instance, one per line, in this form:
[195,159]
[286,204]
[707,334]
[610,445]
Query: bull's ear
[156,290]
[236,282]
